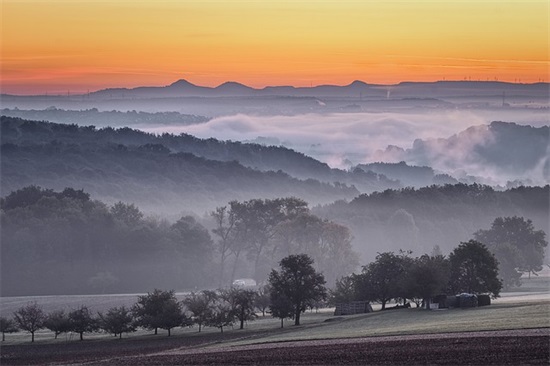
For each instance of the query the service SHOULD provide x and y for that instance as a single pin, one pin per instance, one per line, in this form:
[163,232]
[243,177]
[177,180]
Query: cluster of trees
[470,268]
[419,219]
[267,230]
[495,260]
[66,243]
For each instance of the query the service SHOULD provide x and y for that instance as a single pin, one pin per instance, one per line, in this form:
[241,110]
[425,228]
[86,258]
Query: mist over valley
[412,166]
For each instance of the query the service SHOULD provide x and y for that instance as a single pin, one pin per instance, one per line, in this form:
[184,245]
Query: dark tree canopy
[117,320]
[383,279]
[82,321]
[200,305]
[158,309]
[427,277]
[58,322]
[298,282]
[242,304]
[474,269]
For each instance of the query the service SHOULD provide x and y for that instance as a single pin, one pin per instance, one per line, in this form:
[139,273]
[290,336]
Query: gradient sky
[74,45]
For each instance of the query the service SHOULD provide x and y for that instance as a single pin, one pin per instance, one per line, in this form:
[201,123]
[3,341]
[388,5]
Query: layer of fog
[343,140]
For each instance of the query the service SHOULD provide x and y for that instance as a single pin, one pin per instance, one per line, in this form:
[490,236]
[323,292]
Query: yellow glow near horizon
[79,45]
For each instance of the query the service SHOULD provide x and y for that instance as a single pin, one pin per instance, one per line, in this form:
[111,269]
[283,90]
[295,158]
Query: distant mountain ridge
[356,89]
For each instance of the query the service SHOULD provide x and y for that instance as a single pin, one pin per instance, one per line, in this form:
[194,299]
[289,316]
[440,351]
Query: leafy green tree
[172,316]
[427,277]
[58,322]
[30,318]
[7,326]
[474,269]
[82,321]
[242,304]
[517,246]
[200,305]
[117,320]
[383,279]
[158,309]
[298,282]
[220,314]
[280,305]
[343,291]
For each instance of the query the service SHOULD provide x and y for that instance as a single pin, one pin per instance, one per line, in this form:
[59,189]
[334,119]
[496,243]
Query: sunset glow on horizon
[79,46]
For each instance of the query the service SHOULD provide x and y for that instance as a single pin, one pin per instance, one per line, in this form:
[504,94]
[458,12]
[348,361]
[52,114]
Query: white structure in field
[244,283]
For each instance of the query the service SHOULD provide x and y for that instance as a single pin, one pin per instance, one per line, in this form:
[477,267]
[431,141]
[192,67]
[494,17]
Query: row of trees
[470,268]
[156,310]
[267,230]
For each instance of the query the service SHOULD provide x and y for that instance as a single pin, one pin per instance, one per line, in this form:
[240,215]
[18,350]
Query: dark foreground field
[517,347]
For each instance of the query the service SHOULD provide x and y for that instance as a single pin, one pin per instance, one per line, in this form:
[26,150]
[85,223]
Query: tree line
[289,292]
[418,219]
[156,310]
[494,260]
[470,268]
[63,242]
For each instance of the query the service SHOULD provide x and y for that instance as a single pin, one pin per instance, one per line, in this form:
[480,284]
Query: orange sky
[74,45]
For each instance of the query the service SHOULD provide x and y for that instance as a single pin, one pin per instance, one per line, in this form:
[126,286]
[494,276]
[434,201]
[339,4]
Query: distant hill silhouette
[356,89]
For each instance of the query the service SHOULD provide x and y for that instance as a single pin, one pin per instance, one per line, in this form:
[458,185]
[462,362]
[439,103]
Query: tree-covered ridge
[17,131]
[149,174]
[95,117]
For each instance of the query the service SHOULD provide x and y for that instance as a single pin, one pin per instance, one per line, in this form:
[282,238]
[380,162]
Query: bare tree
[225,231]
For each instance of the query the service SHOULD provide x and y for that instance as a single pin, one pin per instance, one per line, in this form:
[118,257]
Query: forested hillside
[156,172]
[419,219]
[93,116]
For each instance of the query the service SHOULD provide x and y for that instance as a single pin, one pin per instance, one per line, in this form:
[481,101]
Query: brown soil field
[515,347]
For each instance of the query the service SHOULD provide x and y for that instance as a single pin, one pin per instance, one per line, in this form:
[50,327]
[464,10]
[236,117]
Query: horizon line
[79,92]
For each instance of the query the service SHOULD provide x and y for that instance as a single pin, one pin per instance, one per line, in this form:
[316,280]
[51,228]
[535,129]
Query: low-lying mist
[344,140]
